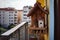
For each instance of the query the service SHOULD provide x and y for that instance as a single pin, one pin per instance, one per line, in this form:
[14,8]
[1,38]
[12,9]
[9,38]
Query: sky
[18,4]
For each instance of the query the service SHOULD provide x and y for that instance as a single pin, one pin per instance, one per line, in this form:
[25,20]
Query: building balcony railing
[19,32]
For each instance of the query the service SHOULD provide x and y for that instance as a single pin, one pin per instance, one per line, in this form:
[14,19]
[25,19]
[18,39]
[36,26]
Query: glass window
[15,15]
[25,15]
[10,23]
[10,20]
[10,12]
[25,18]
[25,11]
[15,20]
[15,11]
[0,14]
[0,11]
[15,23]
[10,17]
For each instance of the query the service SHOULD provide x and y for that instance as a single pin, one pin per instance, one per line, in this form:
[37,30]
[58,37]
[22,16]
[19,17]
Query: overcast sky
[18,4]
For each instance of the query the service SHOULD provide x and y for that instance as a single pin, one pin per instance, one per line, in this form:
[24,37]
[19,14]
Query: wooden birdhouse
[39,20]
[38,16]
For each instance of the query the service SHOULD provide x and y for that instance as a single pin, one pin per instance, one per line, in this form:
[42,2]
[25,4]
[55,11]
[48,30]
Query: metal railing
[19,32]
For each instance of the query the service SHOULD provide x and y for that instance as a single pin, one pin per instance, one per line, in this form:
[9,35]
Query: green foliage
[2,30]
[11,26]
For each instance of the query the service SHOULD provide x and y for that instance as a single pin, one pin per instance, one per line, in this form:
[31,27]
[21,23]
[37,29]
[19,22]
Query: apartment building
[26,10]
[8,16]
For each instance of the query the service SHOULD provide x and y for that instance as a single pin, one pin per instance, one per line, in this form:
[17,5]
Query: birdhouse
[39,20]
[38,16]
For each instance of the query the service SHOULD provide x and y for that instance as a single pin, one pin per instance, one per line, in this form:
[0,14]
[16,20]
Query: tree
[2,30]
[11,26]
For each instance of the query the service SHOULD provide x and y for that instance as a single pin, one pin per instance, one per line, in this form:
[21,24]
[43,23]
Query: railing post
[19,33]
[26,32]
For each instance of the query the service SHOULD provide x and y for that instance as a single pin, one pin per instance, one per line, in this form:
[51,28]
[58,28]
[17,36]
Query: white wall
[27,18]
[6,17]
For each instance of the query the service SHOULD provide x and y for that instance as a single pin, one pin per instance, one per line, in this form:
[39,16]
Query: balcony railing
[19,32]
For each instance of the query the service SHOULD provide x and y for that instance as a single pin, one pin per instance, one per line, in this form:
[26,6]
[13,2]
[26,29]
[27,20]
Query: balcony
[19,32]
[23,32]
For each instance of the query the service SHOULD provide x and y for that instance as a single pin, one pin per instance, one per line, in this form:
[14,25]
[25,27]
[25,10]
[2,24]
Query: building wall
[8,17]
[4,18]
[26,10]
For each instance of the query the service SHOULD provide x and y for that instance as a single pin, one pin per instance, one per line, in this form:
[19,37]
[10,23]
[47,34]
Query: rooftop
[8,9]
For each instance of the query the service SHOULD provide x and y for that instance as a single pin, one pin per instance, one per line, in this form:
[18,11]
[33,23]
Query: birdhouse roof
[37,6]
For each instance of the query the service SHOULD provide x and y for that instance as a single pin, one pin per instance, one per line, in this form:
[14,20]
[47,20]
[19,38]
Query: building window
[10,23]
[0,11]
[15,23]
[10,12]
[25,11]
[29,7]
[10,20]
[25,15]
[15,11]
[15,15]
[10,17]
[15,20]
